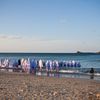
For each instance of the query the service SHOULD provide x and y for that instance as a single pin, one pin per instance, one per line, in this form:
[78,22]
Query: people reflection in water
[92,73]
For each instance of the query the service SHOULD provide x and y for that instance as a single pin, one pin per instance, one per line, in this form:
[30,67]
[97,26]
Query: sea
[87,61]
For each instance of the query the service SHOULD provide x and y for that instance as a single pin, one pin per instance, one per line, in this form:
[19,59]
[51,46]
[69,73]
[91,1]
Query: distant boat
[78,52]
[98,52]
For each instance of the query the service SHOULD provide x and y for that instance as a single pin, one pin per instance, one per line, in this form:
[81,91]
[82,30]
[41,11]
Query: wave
[77,72]
[69,71]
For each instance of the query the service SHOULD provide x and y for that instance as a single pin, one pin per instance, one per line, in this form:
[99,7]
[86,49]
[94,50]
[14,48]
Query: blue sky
[49,25]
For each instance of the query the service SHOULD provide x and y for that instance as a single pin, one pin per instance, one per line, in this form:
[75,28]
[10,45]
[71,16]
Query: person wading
[92,73]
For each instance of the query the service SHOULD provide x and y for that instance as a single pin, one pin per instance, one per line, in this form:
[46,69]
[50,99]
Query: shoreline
[23,86]
[59,74]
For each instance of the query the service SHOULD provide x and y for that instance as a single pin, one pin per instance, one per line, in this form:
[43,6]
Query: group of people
[31,65]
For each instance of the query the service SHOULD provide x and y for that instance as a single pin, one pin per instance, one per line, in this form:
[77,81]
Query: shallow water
[70,75]
[87,60]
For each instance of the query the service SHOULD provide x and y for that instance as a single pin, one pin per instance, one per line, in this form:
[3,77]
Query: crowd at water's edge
[29,65]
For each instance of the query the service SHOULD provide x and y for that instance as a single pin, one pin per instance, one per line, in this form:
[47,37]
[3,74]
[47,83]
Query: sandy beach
[21,86]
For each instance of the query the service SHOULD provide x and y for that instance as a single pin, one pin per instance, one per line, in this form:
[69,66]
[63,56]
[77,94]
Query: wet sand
[21,86]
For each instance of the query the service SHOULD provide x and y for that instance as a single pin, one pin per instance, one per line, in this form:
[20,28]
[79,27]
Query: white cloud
[21,44]
[3,36]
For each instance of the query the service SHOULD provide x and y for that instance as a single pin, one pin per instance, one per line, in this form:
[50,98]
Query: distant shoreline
[78,52]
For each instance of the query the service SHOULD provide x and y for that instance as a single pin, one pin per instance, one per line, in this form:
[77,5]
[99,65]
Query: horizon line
[52,52]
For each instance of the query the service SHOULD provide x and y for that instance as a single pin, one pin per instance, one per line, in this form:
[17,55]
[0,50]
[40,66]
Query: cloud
[46,39]
[15,37]
[3,36]
[33,44]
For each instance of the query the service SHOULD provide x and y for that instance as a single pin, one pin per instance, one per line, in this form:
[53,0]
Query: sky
[49,25]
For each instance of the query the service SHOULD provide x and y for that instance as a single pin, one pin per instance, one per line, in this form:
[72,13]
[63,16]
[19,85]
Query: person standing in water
[40,65]
[92,73]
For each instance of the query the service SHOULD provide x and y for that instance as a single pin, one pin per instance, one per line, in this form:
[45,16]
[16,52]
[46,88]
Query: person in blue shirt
[33,66]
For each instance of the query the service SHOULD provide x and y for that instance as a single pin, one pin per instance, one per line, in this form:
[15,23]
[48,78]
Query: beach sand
[21,86]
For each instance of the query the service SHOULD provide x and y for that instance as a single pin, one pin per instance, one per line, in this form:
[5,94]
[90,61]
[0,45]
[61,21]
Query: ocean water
[87,60]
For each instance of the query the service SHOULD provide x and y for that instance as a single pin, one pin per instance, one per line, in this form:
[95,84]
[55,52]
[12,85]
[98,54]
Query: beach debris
[98,96]
[55,93]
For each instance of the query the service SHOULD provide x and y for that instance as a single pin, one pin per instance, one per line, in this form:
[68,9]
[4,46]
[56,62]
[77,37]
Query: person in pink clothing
[40,65]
